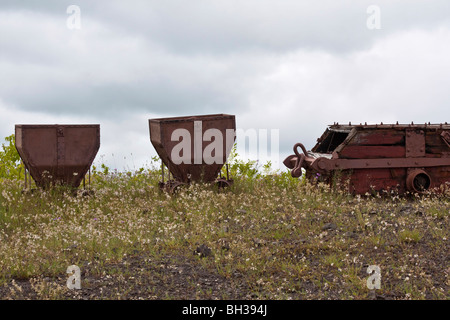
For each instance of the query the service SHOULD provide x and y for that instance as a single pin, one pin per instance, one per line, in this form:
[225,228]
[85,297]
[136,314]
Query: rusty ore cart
[198,129]
[57,154]
[403,157]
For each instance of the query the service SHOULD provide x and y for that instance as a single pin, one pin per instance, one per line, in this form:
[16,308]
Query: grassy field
[270,237]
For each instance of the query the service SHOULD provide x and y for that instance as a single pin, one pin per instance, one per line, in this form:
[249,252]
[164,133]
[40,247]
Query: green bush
[11,167]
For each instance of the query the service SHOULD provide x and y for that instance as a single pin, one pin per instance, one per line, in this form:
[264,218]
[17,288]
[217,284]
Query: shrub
[11,167]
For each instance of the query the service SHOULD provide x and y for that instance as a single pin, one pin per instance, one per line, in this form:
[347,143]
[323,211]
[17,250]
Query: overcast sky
[295,66]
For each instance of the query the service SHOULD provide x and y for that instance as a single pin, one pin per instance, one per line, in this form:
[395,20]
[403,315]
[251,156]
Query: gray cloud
[292,65]
[224,26]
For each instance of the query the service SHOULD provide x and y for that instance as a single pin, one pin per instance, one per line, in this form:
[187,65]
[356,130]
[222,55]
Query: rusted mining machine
[403,157]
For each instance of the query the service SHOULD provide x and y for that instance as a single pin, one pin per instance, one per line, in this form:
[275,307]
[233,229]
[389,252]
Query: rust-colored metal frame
[160,137]
[60,172]
[412,156]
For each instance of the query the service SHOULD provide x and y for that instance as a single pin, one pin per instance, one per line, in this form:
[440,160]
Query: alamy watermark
[191,149]
[374,19]
[374,280]
[73,22]
[74,280]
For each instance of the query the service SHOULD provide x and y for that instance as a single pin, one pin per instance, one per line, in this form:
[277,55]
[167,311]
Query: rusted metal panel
[193,148]
[410,157]
[446,137]
[365,180]
[57,154]
[379,137]
[325,165]
[369,152]
[415,143]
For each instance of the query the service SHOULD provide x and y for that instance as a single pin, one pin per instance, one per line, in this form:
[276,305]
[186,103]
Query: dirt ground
[183,277]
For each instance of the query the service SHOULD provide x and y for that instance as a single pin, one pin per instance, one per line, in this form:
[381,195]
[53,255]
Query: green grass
[266,234]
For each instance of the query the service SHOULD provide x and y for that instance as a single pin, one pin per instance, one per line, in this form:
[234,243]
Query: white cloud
[285,65]
[404,77]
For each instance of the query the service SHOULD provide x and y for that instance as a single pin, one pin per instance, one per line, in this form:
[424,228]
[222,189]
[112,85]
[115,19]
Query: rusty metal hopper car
[185,146]
[403,157]
[57,154]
